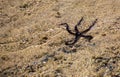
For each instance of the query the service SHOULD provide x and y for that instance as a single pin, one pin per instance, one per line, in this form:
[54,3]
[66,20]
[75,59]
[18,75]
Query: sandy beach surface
[32,43]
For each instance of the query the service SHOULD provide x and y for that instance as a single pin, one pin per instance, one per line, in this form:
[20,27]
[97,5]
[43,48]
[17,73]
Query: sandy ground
[32,44]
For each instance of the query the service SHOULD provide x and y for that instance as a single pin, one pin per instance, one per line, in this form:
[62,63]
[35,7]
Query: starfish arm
[89,27]
[88,37]
[67,28]
[75,40]
[79,23]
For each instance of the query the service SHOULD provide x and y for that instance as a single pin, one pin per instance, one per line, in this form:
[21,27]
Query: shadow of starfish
[77,33]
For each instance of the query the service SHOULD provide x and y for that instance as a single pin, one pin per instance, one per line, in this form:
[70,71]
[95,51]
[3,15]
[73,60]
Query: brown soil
[32,44]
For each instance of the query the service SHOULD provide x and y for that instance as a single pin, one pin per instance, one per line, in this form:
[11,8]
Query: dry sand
[32,43]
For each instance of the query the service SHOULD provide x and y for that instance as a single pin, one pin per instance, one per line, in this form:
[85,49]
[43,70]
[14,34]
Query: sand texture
[32,43]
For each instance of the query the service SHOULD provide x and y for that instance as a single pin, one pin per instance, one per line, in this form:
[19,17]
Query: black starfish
[77,33]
